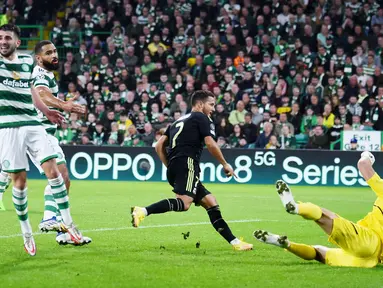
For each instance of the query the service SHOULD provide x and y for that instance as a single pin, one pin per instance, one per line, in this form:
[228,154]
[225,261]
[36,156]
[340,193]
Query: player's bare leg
[20,201]
[180,204]
[209,202]
[306,252]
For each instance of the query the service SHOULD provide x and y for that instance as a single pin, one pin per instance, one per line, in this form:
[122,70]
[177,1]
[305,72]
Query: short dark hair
[12,28]
[40,46]
[201,95]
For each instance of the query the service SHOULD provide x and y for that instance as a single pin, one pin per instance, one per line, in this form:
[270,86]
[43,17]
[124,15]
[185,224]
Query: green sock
[20,201]
[50,205]
[61,197]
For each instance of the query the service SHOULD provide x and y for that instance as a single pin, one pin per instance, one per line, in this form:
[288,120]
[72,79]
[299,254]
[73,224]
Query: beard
[50,66]
[11,49]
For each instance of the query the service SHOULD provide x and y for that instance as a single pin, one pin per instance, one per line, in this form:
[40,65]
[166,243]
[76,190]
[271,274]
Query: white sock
[235,241]
[3,175]
[61,197]
[58,217]
[20,201]
[145,211]
[50,205]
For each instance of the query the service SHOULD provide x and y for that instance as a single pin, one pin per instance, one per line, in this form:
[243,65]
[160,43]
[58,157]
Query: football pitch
[157,255]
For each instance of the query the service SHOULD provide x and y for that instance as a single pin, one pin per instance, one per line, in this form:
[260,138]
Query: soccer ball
[368,155]
[145,166]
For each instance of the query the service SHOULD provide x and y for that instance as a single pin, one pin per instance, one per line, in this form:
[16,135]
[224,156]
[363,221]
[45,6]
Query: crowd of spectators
[286,74]
[30,12]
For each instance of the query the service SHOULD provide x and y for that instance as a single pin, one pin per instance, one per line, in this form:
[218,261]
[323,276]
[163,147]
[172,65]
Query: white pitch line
[156,226]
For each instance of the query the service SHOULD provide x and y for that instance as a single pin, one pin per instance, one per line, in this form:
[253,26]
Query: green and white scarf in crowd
[323,58]
[339,61]
[274,28]
[264,108]
[308,60]
[347,70]
[372,115]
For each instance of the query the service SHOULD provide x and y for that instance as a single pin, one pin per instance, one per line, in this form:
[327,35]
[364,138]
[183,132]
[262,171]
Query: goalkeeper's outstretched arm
[373,180]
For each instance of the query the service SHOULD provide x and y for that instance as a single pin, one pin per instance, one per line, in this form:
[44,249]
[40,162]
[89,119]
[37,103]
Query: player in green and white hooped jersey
[21,131]
[46,86]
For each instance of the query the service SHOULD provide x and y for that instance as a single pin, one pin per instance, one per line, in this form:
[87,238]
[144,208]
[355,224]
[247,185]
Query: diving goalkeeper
[360,244]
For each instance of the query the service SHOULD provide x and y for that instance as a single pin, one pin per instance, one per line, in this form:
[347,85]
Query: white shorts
[15,142]
[54,142]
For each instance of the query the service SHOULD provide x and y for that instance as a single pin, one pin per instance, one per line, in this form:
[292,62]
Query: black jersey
[186,136]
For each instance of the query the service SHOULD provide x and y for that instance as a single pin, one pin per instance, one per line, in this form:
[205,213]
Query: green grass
[126,257]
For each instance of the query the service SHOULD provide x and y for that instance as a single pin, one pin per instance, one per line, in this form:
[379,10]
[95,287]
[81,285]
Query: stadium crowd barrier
[298,167]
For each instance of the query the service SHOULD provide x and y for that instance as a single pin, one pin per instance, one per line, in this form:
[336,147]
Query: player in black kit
[180,150]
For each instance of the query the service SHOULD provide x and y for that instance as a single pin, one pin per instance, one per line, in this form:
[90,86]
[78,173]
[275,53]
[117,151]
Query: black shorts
[183,176]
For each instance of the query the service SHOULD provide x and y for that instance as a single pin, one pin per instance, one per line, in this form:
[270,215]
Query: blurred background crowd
[286,74]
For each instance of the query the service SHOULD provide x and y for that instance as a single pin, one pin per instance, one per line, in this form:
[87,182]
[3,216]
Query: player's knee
[183,202]
[50,169]
[320,253]
[209,201]
[20,180]
[328,214]
[186,205]
[179,204]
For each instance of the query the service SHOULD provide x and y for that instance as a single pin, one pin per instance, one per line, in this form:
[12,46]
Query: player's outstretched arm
[365,165]
[51,101]
[214,150]
[53,116]
[39,104]
[161,149]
